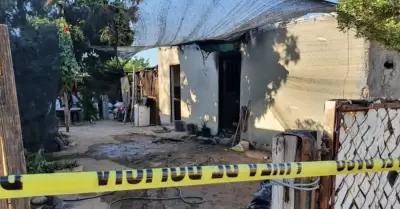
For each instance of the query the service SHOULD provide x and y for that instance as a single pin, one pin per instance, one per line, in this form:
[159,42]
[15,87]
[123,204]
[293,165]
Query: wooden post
[292,147]
[327,152]
[67,112]
[11,145]
[307,153]
[132,116]
[284,149]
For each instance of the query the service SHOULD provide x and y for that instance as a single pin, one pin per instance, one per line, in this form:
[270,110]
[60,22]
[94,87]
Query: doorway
[229,91]
[175,88]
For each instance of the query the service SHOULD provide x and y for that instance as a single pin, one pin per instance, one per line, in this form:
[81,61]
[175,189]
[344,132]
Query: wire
[348,62]
[301,186]
[180,196]
[87,198]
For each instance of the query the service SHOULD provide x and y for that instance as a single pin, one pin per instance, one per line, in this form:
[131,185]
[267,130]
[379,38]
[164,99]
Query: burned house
[282,74]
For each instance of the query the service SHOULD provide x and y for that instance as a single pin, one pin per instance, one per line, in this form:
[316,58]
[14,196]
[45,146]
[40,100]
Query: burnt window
[388,65]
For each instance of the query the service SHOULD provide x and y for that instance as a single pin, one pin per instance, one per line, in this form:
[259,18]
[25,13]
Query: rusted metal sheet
[365,105]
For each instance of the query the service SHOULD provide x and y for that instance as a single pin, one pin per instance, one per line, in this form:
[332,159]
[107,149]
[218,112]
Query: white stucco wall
[288,74]
[199,87]
[167,56]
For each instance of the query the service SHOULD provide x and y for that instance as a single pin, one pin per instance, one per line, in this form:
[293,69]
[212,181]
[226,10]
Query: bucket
[179,126]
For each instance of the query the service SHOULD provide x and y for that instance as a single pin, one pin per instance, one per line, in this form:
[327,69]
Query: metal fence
[365,130]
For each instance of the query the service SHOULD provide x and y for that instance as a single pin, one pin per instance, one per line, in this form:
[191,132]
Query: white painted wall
[288,74]
[199,87]
[167,56]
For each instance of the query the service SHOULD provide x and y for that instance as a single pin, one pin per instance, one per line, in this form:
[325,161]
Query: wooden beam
[11,145]
[358,107]
[307,198]
[67,112]
[284,149]
[328,151]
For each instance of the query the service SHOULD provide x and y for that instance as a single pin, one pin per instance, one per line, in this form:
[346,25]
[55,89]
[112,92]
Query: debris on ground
[258,155]
[245,145]
[189,137]
[163,130]
[166,140]
[238,148]
[63,138]
[263,197]
[111,147]
[209,140]
[38,200]
[50,202]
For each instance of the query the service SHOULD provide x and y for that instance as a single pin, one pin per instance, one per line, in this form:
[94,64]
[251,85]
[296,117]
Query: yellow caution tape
[15,186]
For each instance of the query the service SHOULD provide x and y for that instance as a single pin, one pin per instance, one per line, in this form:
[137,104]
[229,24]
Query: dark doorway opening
[175,72]
[229,91]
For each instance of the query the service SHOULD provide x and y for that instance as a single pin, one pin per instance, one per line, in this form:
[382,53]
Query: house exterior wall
[167,56]
[289,73]
[199,87]
[382,81]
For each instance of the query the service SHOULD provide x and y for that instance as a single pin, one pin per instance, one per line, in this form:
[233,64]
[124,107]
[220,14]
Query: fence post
[11,146]
[327,152]
[293,146]
[307,153]
[283,150]
[67,112]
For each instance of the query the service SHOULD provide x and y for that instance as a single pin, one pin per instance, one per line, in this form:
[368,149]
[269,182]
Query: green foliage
[68,64]
[37,163]
[92,23]
[117,32]
[128,65]
[103,22]
[376,20]
[89,111]
[92,3]
[136,64]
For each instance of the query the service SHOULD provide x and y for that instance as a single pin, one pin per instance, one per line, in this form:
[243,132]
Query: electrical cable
[180,196]
[301,186]
[87,198]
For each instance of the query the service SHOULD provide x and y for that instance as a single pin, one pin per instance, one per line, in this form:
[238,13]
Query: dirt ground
[110,145]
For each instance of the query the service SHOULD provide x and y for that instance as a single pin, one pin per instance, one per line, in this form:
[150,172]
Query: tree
[127,65]
[375,20]
[136,64]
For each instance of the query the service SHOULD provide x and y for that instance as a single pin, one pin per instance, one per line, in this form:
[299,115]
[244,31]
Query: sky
[152,54]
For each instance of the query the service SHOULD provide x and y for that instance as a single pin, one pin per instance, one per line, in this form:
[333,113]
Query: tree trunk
[67,112]
[11,145]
